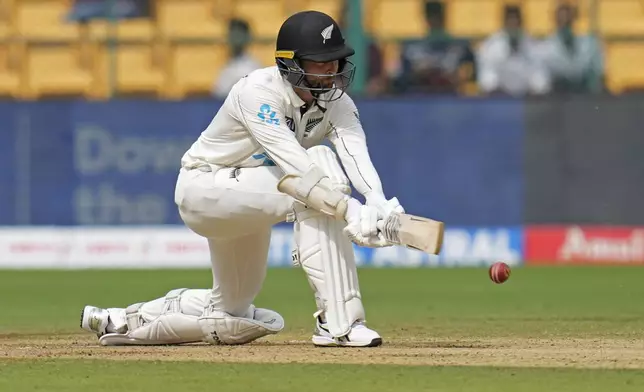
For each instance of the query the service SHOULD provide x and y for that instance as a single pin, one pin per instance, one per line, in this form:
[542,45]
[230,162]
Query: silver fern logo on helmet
[326,33]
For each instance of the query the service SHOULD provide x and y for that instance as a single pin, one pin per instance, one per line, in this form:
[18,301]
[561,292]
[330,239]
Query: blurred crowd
[509,62]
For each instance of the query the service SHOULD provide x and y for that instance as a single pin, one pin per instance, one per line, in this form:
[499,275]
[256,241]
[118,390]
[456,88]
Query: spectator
[575,62]
[508,62]
[376,76]
[435,63]
[240,63]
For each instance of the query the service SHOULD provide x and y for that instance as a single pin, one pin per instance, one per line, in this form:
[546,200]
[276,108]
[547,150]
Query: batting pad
[327,257]
[222,328]
[172,326]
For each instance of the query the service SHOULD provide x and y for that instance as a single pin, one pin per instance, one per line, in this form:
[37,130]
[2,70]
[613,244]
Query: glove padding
[383,206]
[362,225]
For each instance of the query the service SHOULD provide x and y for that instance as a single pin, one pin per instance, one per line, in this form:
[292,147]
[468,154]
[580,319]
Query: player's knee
[323,157]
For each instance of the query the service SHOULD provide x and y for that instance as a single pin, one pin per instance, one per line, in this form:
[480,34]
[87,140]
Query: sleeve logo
[268,115]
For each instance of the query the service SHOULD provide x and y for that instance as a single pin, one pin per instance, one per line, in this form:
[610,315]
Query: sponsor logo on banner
[178,247]
[60,247]
[580,244]
[477,246]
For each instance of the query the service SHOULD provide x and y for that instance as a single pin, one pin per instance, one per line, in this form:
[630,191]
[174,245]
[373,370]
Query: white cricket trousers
[235,209]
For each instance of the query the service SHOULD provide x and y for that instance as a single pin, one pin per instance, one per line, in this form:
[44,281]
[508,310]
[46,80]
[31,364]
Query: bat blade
[414,232]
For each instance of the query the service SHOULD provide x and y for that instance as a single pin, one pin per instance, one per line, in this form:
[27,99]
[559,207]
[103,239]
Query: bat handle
[390,228]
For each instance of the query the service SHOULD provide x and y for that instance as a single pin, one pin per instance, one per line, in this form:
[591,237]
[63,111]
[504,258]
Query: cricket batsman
[261,161]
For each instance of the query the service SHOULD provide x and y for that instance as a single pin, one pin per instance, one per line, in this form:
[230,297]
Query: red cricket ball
[499,272]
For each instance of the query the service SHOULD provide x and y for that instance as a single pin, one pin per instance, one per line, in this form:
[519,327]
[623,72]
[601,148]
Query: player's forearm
[357,163]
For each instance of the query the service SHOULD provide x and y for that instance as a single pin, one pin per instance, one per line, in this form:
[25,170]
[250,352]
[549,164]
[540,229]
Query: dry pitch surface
[510,352]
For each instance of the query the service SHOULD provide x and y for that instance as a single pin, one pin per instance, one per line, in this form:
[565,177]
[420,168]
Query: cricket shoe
[359,336]
[95,320]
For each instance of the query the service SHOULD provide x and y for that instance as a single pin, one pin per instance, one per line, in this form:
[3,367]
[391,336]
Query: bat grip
[390,228]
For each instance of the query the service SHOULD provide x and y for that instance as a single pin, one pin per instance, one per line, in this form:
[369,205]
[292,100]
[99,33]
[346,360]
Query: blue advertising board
[115,163]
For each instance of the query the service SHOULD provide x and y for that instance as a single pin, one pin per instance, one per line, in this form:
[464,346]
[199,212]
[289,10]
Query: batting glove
[362,225]
[383,206]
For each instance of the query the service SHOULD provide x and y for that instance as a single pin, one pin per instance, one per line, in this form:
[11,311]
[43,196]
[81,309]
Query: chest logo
[310,124]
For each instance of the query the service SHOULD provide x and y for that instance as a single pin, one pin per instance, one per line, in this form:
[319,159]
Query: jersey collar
[295,99]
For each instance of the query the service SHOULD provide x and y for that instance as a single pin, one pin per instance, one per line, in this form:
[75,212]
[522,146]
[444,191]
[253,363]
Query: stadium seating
[6,19]
[265,16]
[621,17]
[331,7]
[128,30]
[57,69]
[10,70]
[624,66]
[383,13]
[179,51]
[43,20]
[140,68]
[184,19]
[194,68]
[474,17]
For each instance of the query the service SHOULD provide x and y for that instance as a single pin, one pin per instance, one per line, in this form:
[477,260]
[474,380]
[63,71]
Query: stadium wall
[91,184]
[584,161]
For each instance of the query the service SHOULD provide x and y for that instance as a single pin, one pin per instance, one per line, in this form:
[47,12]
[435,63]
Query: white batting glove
[385,207]
[362,225]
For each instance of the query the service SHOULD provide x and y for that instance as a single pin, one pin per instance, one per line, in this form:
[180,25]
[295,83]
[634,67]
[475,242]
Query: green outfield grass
[110,376]
[430,302]
[426,314]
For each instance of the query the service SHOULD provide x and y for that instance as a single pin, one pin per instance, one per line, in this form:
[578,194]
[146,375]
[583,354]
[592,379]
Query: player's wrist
[374,198]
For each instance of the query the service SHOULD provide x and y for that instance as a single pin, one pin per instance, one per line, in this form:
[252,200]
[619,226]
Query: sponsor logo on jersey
[268,115]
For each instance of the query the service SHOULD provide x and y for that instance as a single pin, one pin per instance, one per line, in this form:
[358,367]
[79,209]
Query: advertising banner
[584,245]
[116,163]
[177,247]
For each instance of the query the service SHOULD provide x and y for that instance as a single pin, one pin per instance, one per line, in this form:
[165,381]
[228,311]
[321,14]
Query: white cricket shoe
[359,336]
[95,320]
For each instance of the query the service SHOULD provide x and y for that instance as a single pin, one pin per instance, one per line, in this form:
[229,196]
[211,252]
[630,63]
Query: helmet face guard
[298,78]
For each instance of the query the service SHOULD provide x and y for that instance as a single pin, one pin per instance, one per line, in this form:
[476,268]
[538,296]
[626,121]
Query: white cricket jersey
[261,123]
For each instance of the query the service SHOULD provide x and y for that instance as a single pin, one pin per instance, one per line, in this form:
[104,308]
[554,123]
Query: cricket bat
[413,232]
